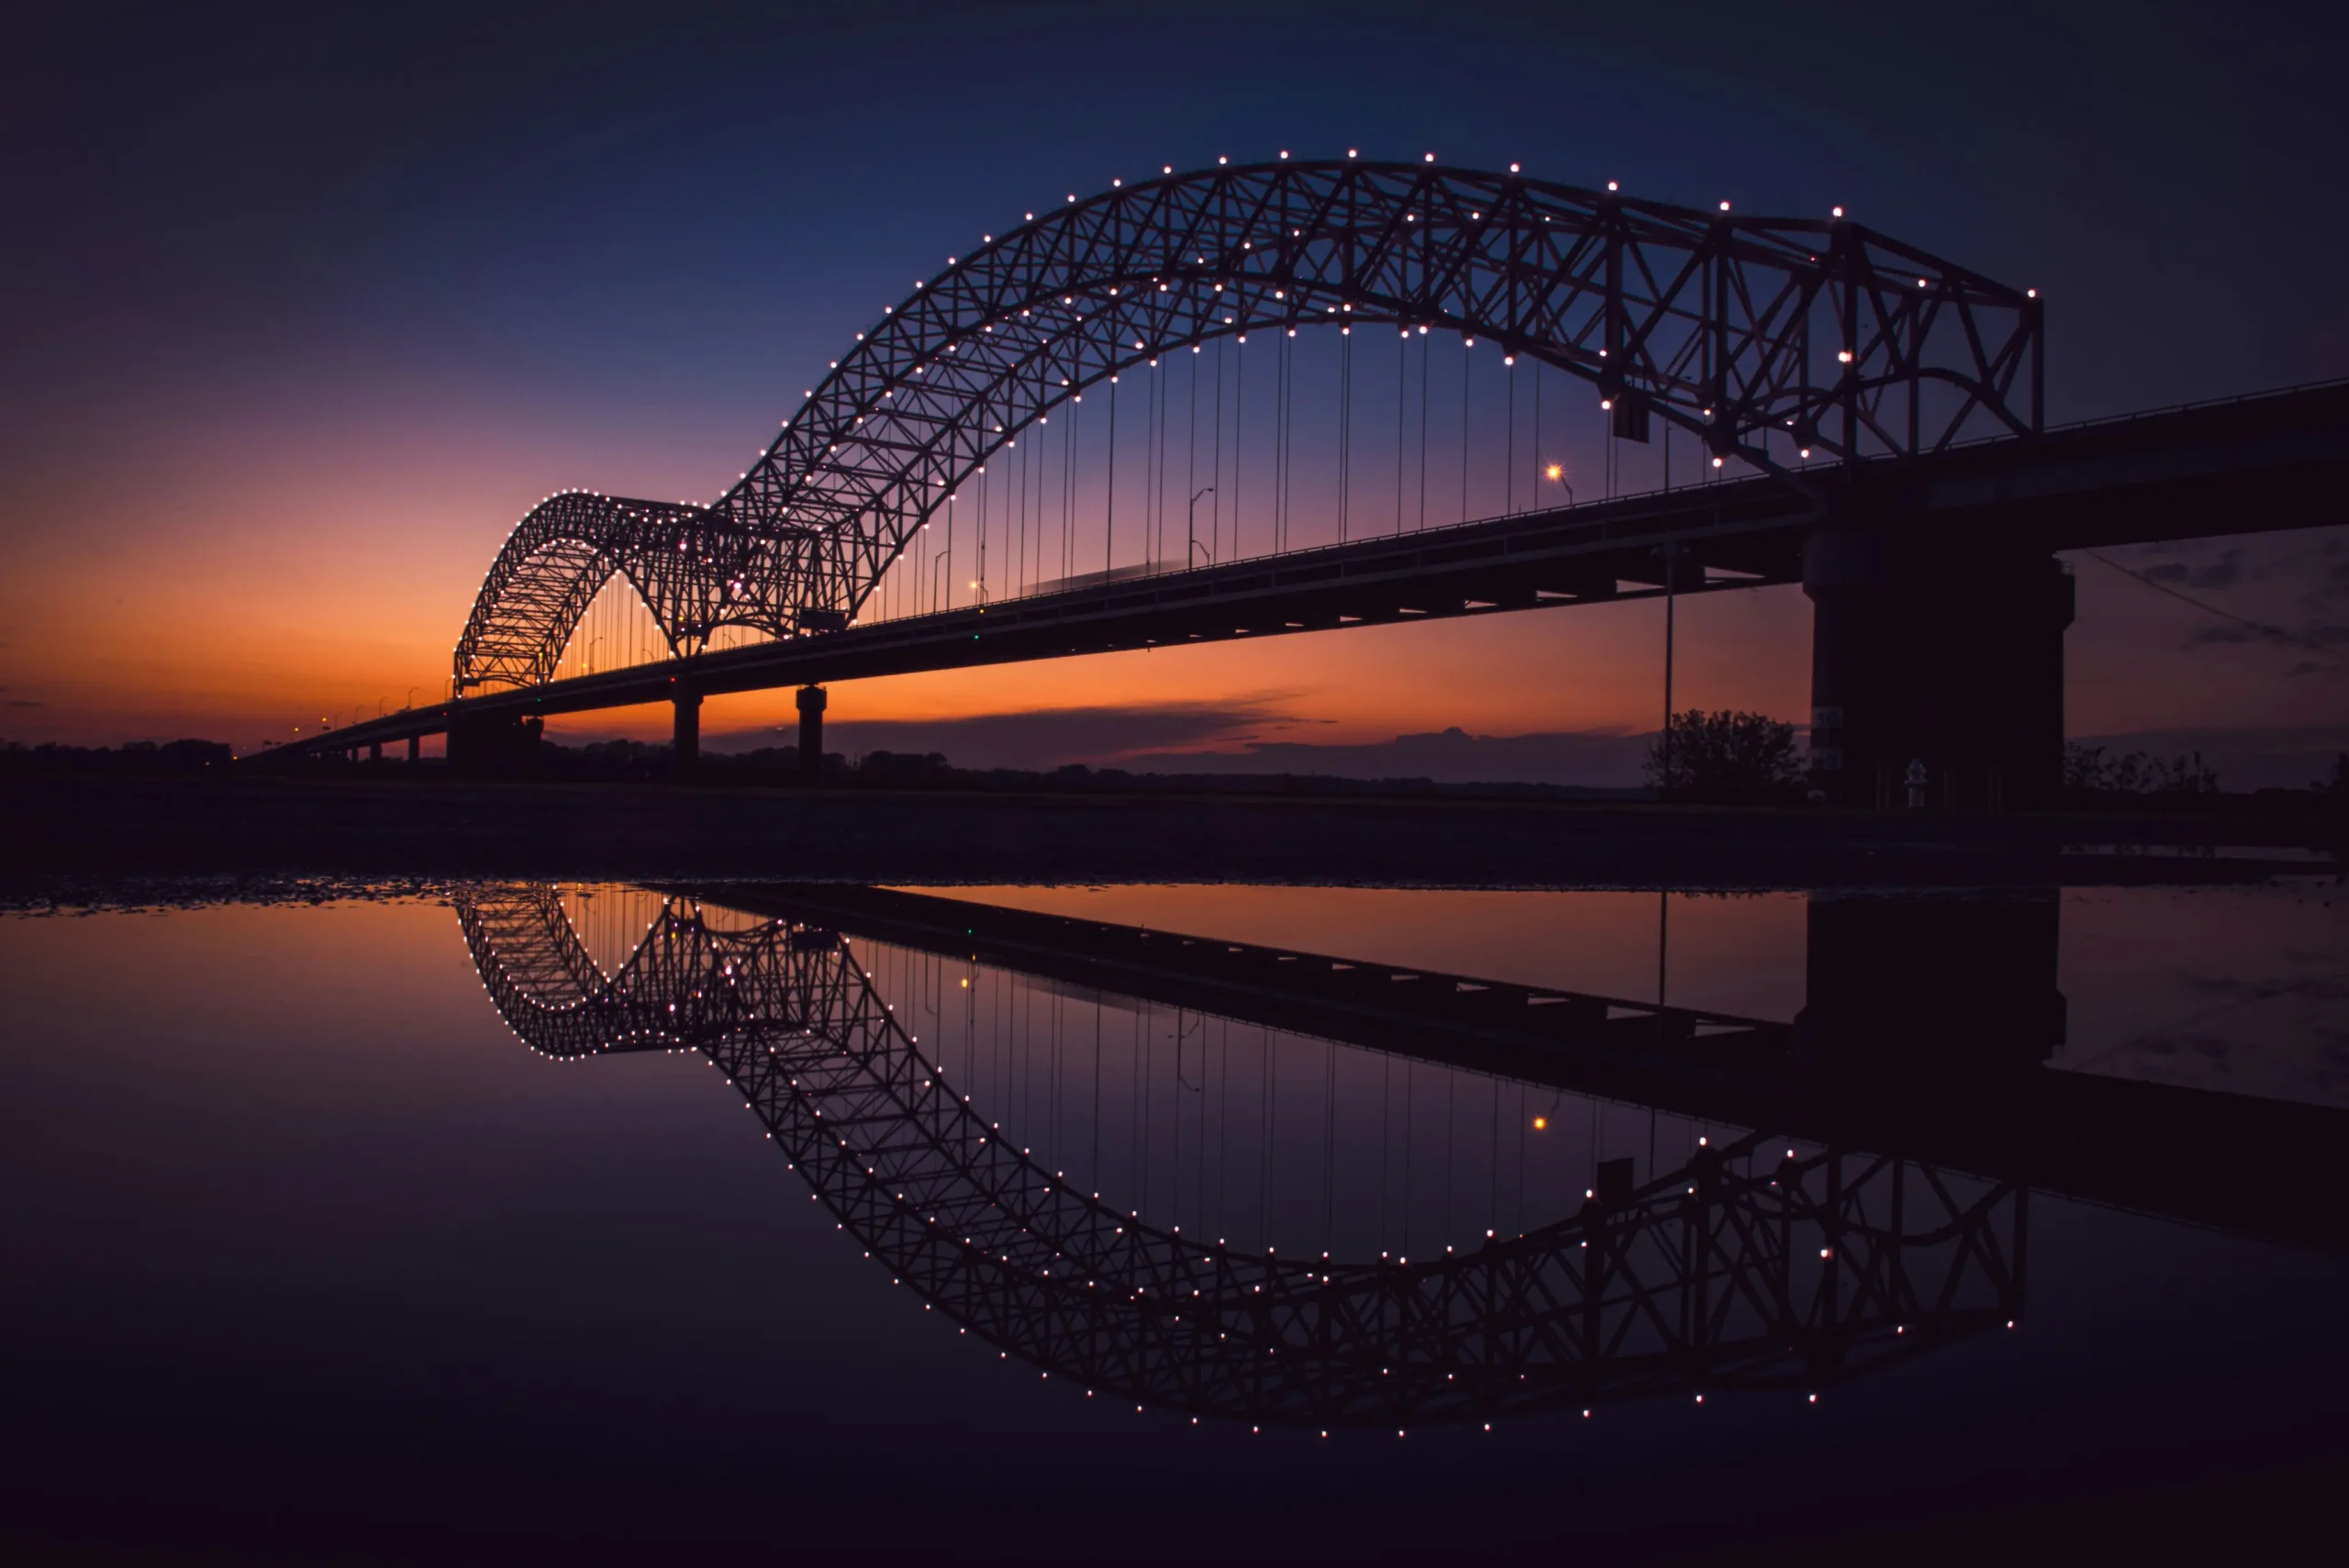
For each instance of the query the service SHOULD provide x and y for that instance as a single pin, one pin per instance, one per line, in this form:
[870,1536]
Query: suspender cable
[1288,422]
[1191,444]
[1492,1197]
[1215,506]
[1345,424]
[1402,374]
[1109,523]
[1161,397]
[1508,367]
[1466,344]
[1152,518]
[1329,1133]
[1410,1077]
[1264,1138]
[1424,351]
[1238,427]
[1451,1118]
[1281,442]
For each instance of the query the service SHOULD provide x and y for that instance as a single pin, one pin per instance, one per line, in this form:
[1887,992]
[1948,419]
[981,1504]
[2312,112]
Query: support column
[375,750]
[415,748]
[1943,656]
[685,732]
[812,700]
[1898,987]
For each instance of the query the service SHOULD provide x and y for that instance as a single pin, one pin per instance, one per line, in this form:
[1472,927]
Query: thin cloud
[1042,738]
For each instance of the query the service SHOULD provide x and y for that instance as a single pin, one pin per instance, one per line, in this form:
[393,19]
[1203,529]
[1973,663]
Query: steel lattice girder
[550,571]
[1822,1268]
[1759,336]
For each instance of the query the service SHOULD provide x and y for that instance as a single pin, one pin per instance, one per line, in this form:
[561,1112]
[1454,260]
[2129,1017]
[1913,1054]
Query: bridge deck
[2248,465]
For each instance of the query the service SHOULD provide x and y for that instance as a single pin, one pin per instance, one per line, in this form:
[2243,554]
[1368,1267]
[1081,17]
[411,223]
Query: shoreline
[69,831]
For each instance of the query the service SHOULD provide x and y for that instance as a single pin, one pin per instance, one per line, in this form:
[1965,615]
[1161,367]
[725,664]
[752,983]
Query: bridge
[1864,418]
[1815,1248]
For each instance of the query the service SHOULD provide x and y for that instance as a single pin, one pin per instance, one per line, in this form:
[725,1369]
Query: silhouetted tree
[1727,757]
[2089,772]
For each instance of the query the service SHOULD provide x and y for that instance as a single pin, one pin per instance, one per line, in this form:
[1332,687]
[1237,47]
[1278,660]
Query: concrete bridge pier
[496,746]
[375,750]
[1942,655]
[1900,987]
[812,701]
[415,748]
[685,732]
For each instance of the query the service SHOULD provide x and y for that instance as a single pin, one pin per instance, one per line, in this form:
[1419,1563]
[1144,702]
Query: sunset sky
[303,314]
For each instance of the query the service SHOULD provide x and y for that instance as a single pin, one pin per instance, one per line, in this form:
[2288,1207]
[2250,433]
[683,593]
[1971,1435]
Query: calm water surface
[503,1223]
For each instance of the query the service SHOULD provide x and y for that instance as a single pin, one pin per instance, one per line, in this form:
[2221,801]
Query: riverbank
[438,826]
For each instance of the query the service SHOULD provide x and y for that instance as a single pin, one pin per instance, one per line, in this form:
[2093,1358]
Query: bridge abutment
[1938,657]
[495,745]
[812,701]
[685,732]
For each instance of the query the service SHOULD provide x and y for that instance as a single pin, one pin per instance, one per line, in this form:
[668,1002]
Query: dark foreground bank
[66,827]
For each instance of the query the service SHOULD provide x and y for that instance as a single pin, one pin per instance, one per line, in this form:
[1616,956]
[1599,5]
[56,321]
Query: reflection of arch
[1709,1278]
[1760,337]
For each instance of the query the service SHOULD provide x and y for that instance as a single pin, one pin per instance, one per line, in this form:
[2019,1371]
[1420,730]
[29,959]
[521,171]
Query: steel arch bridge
[1709,1278]
[1764,339]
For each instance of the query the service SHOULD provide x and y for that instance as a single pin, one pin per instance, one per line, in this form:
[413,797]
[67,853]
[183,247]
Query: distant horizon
[2246,758]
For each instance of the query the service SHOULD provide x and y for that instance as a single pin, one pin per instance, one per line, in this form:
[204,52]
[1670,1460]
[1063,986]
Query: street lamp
[1191,523]
[1556,473]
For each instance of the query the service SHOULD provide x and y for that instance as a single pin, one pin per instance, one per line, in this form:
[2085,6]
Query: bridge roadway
[2252,464]
[1968,1102]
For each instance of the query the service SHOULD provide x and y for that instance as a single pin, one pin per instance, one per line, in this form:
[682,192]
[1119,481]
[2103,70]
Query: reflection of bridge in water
[1249,1096]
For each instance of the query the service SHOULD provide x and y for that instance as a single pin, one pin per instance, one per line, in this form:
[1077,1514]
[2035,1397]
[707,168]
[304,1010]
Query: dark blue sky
[690,200]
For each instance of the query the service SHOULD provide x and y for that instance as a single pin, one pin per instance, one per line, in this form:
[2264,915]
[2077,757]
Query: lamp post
[1556,472]
[1191,526]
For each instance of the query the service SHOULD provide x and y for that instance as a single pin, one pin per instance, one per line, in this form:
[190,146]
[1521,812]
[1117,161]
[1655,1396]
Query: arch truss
[1814,1270]
[1775,343]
